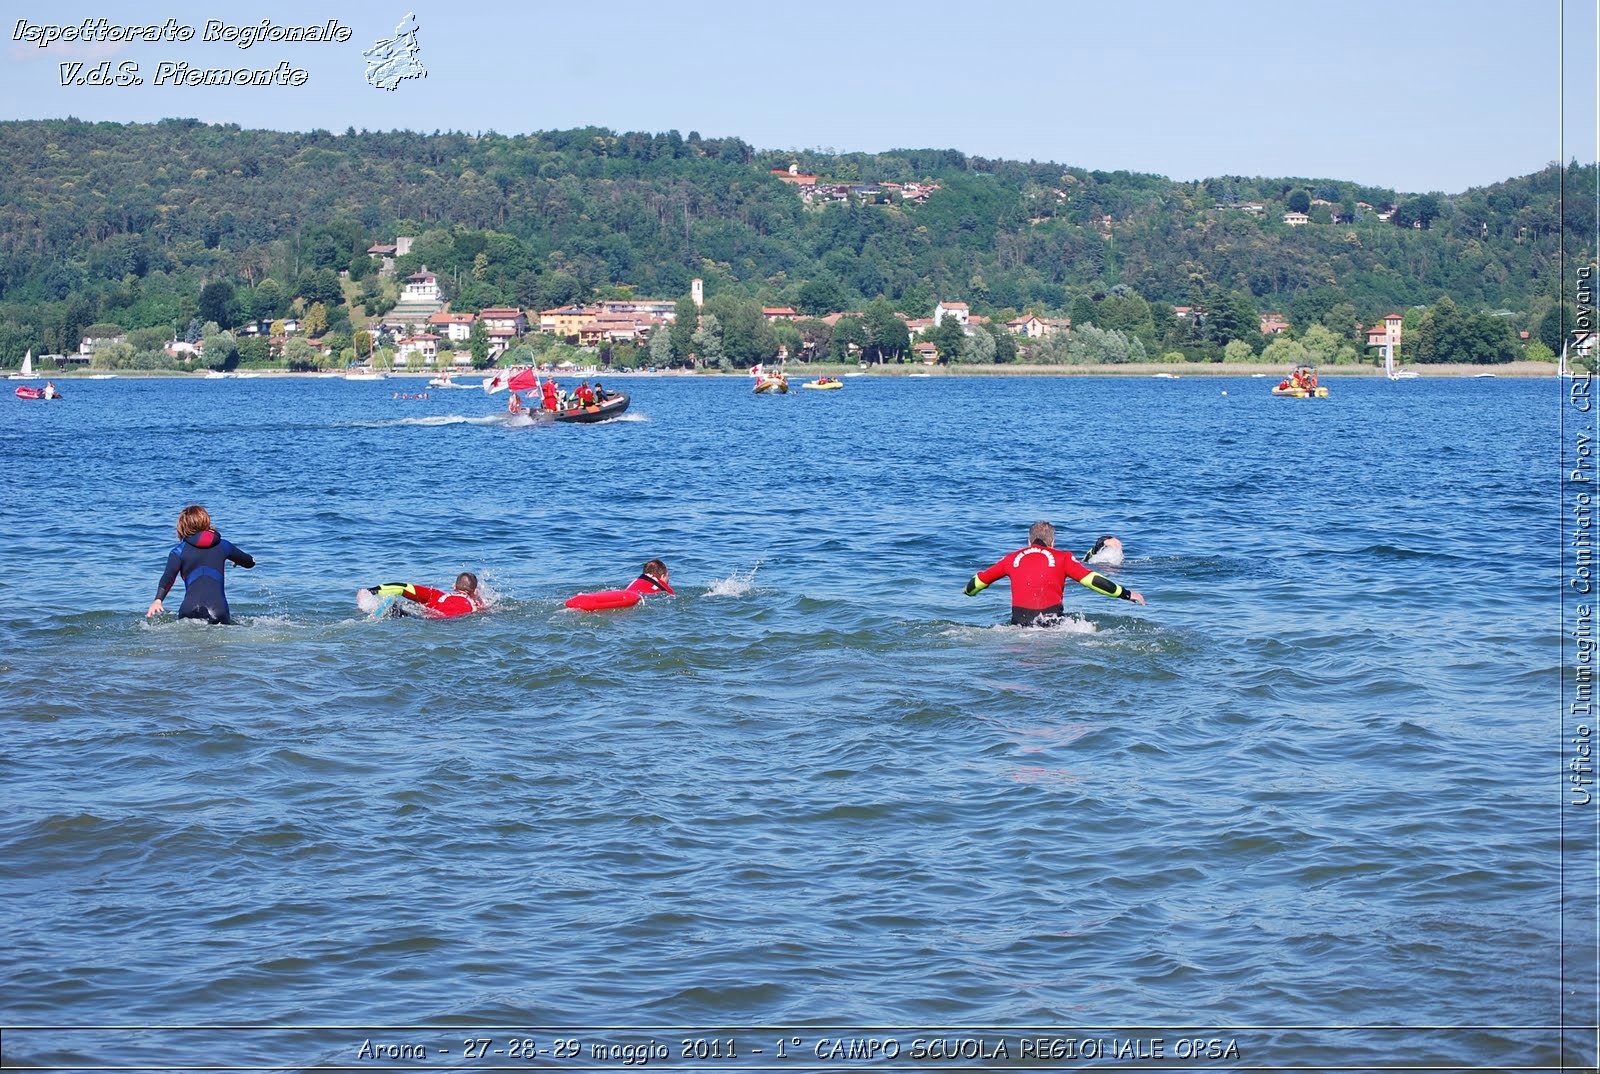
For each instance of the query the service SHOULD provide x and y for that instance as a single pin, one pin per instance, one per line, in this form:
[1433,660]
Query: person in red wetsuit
[652,579]
[463,600]
[1038,574]
[550,401]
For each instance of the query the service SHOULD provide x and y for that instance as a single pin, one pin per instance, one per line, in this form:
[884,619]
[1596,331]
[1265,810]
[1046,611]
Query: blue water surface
[1308,785]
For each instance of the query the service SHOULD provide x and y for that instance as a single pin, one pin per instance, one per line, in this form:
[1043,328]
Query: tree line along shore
[178,232]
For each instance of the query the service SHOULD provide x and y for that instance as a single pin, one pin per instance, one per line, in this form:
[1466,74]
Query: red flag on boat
[524,380]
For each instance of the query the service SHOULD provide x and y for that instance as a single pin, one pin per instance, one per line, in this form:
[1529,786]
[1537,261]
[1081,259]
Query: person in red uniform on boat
[652,579]
[1038,575]
[463,600]
[549,390]
[584,394]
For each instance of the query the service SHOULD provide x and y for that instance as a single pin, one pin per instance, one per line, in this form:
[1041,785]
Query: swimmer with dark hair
[652,579]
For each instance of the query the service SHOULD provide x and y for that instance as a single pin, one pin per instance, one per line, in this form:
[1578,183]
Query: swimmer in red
[1038,574]
[464,600]
[652,579]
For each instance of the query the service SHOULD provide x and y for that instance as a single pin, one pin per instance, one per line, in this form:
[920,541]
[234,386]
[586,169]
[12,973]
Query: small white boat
[247,376]
[919,374]
[1258,376]
[26,372]
[327,373]
[366,376]
[212,374]
[103,376]
[1163,376]
[857,373]
[1391,368]
[1481,376]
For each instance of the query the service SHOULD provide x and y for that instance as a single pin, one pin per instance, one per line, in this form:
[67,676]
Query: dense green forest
[156,226]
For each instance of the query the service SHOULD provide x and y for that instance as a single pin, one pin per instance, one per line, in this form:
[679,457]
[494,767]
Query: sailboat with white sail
[1391,368]
[26,372]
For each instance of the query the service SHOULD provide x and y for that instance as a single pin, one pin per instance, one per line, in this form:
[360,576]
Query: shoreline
[1453,370]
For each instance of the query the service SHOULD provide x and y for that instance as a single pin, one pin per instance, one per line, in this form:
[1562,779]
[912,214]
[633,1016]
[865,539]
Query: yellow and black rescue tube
[976,586]
[394,589]
[1101,584]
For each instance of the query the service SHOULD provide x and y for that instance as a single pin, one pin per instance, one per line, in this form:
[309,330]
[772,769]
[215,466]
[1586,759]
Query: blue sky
[1412,94]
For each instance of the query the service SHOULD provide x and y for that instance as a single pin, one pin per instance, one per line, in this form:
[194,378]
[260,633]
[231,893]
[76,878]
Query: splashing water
[737,584]
[444,419]
[1067,624]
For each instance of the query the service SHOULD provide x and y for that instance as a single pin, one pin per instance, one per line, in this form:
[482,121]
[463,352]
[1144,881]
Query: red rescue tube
[599,602]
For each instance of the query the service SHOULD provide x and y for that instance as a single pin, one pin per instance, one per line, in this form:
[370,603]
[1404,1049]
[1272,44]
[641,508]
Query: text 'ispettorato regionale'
[178,72]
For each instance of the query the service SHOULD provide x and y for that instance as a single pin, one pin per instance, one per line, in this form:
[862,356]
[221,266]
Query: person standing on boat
[50,391]
[550,394]
[200,557]
[1038,575]
[462,600]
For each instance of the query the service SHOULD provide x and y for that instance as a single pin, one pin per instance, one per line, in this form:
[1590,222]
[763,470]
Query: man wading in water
[1038,574]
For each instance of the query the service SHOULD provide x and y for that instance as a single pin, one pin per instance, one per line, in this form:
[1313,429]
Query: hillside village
[411,250]
[422,332]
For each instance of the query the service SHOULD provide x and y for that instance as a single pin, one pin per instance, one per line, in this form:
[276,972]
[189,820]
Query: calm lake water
[1307,786]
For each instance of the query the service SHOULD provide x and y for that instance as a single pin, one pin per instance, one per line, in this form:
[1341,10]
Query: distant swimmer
[1038,575]
[200,557]
[463,600]
[1107,551]
[652,580]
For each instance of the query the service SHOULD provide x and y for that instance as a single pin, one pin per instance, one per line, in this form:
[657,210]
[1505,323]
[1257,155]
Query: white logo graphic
[391,62]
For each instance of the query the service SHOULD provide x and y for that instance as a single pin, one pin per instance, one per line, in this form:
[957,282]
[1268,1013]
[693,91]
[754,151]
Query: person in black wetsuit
[200,557]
